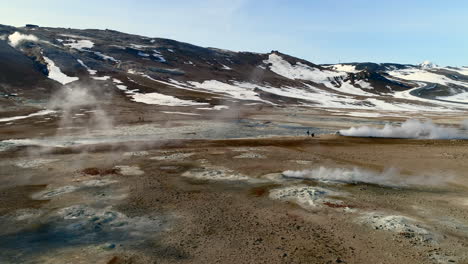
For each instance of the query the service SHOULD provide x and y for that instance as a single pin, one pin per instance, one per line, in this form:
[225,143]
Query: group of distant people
[310,134]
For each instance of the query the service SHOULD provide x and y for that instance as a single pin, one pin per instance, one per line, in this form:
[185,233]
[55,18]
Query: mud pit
[234,201]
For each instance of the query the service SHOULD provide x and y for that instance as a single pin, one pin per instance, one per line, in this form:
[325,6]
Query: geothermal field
[120,148]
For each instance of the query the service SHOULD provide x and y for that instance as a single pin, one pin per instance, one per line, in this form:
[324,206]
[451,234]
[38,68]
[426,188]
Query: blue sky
[321,31]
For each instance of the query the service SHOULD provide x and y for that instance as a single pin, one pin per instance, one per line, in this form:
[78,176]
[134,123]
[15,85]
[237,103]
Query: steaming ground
[411,128]
[99,183]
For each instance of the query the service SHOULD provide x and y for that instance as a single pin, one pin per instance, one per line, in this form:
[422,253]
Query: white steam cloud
[70,99]
[388,177]
[412,128]
[464,124]
[16,38]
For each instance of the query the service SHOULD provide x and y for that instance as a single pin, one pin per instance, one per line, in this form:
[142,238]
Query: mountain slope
[155,71]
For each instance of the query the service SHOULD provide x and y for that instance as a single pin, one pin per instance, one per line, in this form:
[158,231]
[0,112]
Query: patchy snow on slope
[241,91]
[158,56]
[446,106]
[71,36]
[330,100]
[343,68]
[137,46]
[122,87]
[364,84]
[461,97]
[172,83]
[56,74]
[304,72]
[347,87]
[216,107]
[105,57]
[414,74]
[161,99]
[320,97]
[142,54]
[40,113]
[394,106]
[359,114]
[116,80]
[81,44]
[299,71]
[224,67]
[92,72]
[16,38]
[461,70]
[101,78]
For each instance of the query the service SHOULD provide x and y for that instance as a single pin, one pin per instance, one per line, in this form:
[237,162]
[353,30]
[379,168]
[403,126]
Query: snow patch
[299,71]
[105,57]
[40,113]
[162,99]
[142,54]
[237,90]
[56,74]
[461,97]
[158,56]
[101,78]
[92,72]
[216,107]
[423,75]
[343,68]
[81,44]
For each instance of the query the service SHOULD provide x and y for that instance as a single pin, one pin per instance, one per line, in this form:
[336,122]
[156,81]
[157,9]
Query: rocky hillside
[37,61]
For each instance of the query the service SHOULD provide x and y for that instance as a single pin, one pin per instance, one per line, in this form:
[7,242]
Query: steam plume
[388,177]
[16,38]
[412,128]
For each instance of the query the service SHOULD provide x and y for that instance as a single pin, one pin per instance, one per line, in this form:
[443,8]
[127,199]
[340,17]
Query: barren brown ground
[237,222]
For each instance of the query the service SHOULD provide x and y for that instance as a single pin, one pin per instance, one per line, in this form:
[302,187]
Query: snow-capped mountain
[36,61]
[427,65]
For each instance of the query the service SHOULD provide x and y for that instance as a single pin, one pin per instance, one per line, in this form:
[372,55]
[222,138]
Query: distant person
[313,134]
[308,133]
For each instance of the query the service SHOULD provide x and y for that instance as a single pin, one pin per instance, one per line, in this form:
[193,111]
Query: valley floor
[251,188]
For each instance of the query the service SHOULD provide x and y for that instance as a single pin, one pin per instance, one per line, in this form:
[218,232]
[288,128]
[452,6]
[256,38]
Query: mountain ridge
[145,65]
